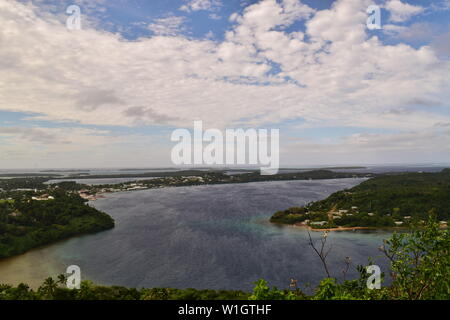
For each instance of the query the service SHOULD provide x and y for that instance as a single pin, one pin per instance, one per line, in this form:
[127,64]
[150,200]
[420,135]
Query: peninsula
[385,201]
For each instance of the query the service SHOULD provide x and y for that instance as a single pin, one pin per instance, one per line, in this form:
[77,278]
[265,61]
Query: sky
[111,93]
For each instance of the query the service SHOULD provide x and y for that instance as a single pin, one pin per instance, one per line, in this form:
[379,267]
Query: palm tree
[62,279]
[48,287]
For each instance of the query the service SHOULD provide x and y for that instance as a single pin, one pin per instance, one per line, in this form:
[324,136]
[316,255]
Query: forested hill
[386,200]
[26,223]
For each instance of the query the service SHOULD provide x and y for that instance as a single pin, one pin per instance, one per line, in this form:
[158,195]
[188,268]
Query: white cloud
[22,147]
[54,136]
[420,31]
[170,26]
[332,74]
[402,11]
[365,148]
[214,16]
[441,6]
[201,5]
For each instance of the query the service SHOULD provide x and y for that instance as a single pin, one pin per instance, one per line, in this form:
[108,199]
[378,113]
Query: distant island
[385,201]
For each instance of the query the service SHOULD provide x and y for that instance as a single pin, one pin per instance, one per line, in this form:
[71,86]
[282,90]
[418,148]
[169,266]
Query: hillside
[26,223]
[384,201]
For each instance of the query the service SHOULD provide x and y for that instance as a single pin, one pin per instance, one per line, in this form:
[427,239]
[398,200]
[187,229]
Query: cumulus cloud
[201,5]
[402,11]
[332,73]
[95,76]
[146,115]
[420,31]
[170,26]
[441,45]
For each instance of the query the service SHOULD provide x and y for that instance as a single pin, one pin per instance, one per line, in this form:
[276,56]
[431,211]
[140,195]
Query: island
[384,201]
[186,178]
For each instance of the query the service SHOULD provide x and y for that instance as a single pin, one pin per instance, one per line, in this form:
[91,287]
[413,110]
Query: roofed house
[44,197]
[318,223]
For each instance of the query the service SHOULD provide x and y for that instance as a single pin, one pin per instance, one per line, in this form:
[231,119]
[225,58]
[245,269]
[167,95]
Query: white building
[318,223]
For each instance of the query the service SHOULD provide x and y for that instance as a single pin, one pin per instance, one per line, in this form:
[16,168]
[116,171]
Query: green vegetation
[420,265]
[23,183]
[384,201]
[27,223]
[27,175]
[54,290]
[195,178]
[246,175]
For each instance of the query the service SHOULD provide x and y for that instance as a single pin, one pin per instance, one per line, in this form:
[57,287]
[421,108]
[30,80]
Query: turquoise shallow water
[202,237]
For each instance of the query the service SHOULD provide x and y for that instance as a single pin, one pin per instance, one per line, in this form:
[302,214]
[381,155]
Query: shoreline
[299,225]
[347,228]
[100,195]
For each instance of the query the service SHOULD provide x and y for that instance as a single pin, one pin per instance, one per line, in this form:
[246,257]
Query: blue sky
[111,93]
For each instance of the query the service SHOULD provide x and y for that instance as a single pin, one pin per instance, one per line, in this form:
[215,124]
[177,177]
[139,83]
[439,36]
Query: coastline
[103,194]
[347,228]
[300,225]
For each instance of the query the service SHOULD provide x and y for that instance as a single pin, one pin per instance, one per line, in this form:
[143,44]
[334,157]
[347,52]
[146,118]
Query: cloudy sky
[110,94]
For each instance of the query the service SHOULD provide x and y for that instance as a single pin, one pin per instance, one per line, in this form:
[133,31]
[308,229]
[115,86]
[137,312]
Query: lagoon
[215,236]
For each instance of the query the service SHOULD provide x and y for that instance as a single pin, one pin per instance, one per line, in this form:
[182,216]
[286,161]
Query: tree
[420,262]
[263,292]
[322,252]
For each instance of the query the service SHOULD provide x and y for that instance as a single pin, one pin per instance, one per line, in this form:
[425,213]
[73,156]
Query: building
[318,223]
[44,197]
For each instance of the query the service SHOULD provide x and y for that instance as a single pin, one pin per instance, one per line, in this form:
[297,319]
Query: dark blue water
[203,237]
